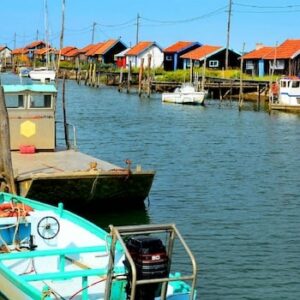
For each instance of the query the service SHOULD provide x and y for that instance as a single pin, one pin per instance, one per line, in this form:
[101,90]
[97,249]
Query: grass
[184,75]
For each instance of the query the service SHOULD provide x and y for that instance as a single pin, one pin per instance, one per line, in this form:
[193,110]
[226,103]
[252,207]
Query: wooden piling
[149,76]
[6,169]
[141,77]
[258,97]
[129,77]
[98,78]
[120,80]
[241,96]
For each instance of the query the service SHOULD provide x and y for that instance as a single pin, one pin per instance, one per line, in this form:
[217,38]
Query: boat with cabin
[45,171]
[42,74]
[48,252]
[24,71]
[285,94]
[186,94]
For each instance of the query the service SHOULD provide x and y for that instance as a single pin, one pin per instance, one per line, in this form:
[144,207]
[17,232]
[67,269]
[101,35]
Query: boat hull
[196,98]
[121,188]
[67,176]
[285,107]
[42,75]
[11,290]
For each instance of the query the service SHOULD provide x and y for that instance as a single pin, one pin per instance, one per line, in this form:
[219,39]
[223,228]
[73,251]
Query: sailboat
[44,74]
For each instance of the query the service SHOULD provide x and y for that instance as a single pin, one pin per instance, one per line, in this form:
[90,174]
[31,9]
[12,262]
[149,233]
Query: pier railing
[71,129]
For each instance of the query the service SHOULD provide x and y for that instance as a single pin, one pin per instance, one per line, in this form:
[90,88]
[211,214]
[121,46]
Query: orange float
[14,210]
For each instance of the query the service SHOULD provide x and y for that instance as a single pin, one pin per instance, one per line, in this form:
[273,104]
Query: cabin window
[295,84]
[14,101]
[40,101]
[169,57]
[213,63]
[283,84]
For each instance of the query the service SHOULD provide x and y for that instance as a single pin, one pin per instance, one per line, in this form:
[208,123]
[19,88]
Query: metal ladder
[118,232]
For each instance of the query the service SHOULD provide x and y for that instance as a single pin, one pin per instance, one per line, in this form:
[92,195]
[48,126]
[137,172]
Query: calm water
[228,179]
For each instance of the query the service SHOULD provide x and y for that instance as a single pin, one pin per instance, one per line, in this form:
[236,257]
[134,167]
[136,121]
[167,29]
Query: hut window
[40,101]
[277,65]
[249,65]
[169,57]
[213,63]
[14,101]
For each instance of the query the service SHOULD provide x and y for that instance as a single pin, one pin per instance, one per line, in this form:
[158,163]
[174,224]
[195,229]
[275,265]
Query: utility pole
[228,34]
[93,32]
[37,35]
[137,28]
[15,40]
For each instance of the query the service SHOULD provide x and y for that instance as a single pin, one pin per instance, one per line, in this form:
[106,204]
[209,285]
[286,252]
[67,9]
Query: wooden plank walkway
[26,165]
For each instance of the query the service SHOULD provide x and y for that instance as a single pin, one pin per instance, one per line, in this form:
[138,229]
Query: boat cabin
[289,91]
[31,112]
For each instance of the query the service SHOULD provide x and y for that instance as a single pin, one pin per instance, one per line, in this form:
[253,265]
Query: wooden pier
[142,82]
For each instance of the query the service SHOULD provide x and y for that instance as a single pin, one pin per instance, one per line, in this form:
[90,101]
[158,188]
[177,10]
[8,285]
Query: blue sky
[164,21]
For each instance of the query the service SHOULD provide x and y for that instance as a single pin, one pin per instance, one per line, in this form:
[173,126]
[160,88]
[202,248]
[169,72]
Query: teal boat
[48,252]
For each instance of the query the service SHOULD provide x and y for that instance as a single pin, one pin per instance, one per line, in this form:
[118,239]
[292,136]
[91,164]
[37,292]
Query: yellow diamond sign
[28,129]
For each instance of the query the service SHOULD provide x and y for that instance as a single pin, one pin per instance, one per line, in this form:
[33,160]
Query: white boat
[186,94]
[24,72]
[285,94]
[48,252]
[42,74]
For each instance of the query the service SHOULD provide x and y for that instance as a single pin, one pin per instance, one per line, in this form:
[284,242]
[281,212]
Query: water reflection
[117,217]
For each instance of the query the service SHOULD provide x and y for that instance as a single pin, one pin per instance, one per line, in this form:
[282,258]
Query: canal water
[229,180]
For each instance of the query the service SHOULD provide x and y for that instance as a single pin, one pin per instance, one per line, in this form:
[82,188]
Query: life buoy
[11,209]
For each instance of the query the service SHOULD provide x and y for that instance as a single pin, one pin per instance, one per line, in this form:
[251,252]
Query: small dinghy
[48,252]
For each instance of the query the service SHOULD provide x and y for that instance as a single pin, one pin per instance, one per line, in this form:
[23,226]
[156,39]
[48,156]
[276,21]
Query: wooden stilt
[241,96]
[120,80]
[141,77]
[129,77]
[149,77]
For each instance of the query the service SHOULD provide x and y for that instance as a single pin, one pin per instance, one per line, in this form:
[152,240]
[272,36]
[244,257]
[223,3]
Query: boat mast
[46,32]
[61,42]
[61,45]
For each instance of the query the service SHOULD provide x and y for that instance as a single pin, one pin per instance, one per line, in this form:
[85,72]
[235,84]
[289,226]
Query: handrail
[119,231]
[52,252]
[74,133]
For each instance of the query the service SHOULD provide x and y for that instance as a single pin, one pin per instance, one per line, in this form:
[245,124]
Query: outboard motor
[151,262]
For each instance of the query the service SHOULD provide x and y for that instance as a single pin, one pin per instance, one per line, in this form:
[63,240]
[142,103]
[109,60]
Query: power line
[267,11]
[212,13]
[117,25]
[268,7]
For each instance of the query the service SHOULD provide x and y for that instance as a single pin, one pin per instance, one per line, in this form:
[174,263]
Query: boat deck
[67,161]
